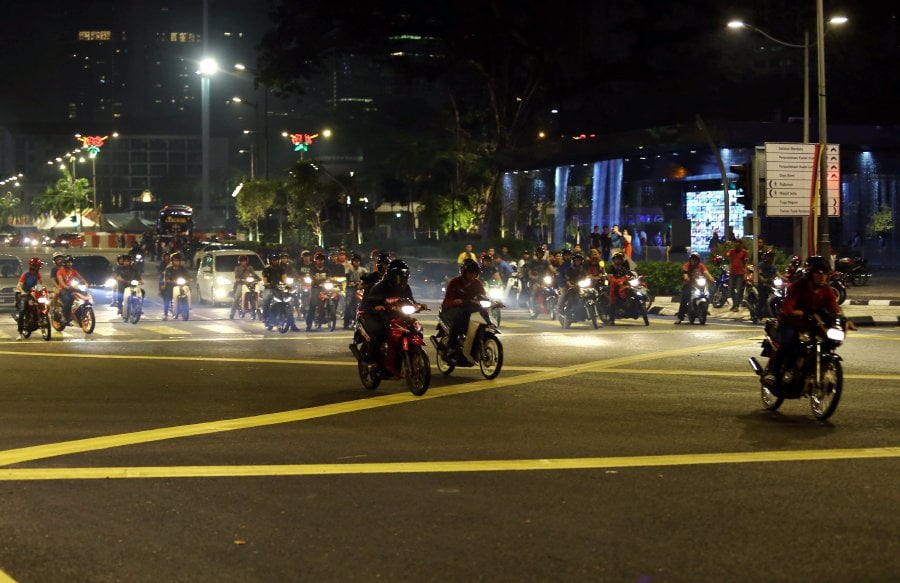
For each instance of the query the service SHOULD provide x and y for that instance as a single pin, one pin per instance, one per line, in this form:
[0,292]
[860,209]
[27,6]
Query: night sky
[665,61]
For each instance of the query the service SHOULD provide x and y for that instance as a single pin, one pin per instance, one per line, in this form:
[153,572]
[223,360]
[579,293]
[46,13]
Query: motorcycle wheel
[279,319]
[332,318]
[644,315]
[824,399]
[551,307]
[418,371]
[87,320]
[369,379]
[592,312]
[860,279]
[44,325]
[252,309]
[564,321]
[495,314]
[491,360]
[720,297]
[26,333]
[532,311]
[443,366]
[841,294]
[704,311]
[56,321]
[770,401]
[134,311]
[183,310]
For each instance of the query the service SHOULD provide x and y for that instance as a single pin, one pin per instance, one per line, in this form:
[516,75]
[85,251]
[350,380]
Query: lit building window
[94,35]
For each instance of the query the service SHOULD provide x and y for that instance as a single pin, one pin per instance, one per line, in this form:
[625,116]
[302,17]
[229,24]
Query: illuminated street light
[208,68]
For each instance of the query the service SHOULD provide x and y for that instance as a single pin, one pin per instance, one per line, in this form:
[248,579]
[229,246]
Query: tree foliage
[254,201]
[9,203]
[308,198]
[65,197]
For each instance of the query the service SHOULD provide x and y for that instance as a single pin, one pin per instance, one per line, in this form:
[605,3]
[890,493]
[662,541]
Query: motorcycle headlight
[328,286]
[138,257]
[485,303]
[804,337]
[110,283]
[80,287]
[249,279]
[289,281]
[634,282]
[586,282]
[307,280]
[43,300]
[180,281]
[408,310]
[495,293]
[778,282]
[548,280]
[835,334]
[701,281]
[135,282]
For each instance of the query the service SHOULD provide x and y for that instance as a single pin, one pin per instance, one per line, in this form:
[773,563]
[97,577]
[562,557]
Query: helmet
[695,255]
[35,262]
[319,255]
[398,267]
[540,249]
[768,253]
[578,257]
[486,256]
[795,261]
[383,260]
[566,251]
[469,266]
[175,256]
[242,258]
[817,263]
[355,257]
[68,259]
[57,254]
[717,260]
[618,255]
[305,253]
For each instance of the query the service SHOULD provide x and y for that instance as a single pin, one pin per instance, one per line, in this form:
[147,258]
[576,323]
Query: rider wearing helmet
[689,271]
[809,295]
[57,263]
[242,271]
[375,305]
[619,273]
[319,273]
[794,269]
[175,270]
[355,274]
[766,272]
[538,267]
[369,280]
[574,273]
[124,275]
[489,271]
[26,283]
[462,291]
[66,276]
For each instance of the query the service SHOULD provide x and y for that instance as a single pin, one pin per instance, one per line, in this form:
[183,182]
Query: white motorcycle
[133,301]
[181,299]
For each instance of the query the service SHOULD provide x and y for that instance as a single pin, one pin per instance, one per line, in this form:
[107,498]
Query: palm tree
[65,197]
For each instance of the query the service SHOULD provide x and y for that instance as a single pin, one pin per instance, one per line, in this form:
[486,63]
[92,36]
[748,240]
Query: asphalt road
[211,450]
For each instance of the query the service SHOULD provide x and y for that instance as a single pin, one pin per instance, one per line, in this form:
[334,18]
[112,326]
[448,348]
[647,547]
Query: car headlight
[222,280]
[222,293]
[110,283]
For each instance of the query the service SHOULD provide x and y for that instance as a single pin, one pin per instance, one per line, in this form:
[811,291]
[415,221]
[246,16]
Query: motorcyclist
[368,281]
[242,271]
[808,295]
[766,273]
[272,275]
[574,274]
[354,279]
[489,272]
[619,273]
[536,269]
[319,274]
[562,271]
[172,273]
[26,283]
[689,271]
[124,275]
[456,307]
[66,277]
[794,269]
[375,306]
[57,263]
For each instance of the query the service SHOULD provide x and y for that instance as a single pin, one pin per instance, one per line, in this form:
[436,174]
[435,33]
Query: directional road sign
[790,174]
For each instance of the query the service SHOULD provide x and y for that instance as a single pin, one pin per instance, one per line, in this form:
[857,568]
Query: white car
[215,276]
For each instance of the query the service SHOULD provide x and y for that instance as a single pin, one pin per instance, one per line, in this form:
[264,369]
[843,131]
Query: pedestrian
[616,239]
[605,244]
[738,256]
[595,237]
[627,246]
[714,243]
[466,253]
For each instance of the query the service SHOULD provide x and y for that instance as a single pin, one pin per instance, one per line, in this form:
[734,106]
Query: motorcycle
[581,305]
[248,299]
[698,306]
[814,371]
[515,286]
[856,268]
[723,288]
[546,299]
[82,311]
[401,356]
[330,297]
[495,293]
[37,312]
[776,298]
[279,316]
[181,300]
[133,302]
[480,343]
[838,282]
[635,304]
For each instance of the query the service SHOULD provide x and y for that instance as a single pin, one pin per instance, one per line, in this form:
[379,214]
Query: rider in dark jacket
[376,305]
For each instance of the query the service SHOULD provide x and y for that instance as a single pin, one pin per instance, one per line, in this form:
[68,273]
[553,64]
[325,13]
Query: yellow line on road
[552,464]
[4,578]
[24,454]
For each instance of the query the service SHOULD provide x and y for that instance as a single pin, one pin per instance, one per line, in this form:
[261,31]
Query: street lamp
[254,150]
[208,68]
[824,243]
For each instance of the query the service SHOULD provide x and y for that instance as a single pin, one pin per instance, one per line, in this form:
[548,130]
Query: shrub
[663,277]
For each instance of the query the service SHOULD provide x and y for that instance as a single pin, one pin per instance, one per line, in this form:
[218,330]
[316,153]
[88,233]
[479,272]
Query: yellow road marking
[163,329]
[552,464]
[24,454]
[4,578]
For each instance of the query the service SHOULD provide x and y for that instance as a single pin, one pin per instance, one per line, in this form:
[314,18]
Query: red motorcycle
[402,356]
[37,312]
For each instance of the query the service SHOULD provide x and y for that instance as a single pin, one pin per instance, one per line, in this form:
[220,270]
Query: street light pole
[824,241]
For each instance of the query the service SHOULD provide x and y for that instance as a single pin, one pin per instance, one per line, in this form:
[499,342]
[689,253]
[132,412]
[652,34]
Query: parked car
[68,240]
[205,246]
[215,276]
[97,270]
[10,270]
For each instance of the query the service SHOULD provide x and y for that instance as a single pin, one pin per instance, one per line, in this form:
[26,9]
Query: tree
[9,203]
[253,201]
[65,197]
[308,198]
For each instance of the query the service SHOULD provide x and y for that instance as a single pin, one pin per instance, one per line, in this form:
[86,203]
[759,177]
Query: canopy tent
[127,222]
